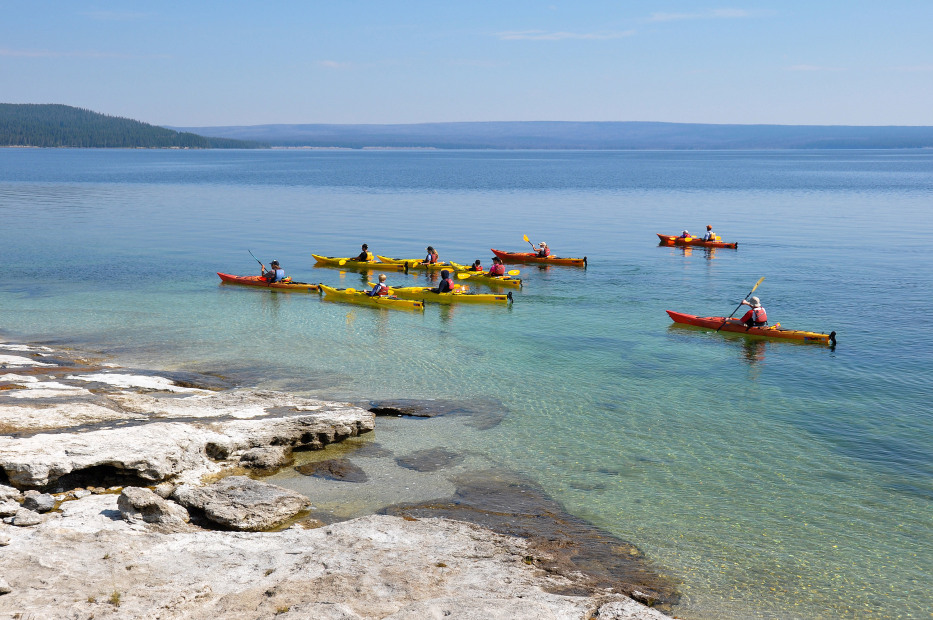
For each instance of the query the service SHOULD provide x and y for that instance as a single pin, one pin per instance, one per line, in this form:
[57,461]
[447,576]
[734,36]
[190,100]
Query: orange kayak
[733,325]
[531,257]
[287,285]
[678,240]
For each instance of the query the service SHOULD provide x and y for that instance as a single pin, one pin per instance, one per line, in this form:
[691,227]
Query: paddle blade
[463,276]
[514,272]
[525,237]
[760,280]
[342,262]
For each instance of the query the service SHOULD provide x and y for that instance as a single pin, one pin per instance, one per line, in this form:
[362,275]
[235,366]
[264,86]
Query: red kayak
[678,240]
[733,325]
[285,285]
[531,257]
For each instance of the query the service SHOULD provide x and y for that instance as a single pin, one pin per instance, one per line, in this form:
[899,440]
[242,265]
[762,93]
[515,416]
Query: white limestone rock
[39,502]
[241,503]
[140,504]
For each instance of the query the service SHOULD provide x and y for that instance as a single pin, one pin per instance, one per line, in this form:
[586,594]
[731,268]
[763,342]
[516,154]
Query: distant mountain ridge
[55,125]
[596,135]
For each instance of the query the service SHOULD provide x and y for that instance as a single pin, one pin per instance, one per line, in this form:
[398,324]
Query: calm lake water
[774,479]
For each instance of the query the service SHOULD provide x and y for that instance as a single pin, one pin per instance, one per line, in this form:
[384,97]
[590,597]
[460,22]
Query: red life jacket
[759,315]
[477,267]
[544,252]
[497,270]
[382,290]
[431,258]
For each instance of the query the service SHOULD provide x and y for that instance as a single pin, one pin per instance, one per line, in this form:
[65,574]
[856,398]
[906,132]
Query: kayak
[351,263]
[733,325]
[353,296]
[481,276]
[531,257]
[287,285]
[425,293]
[678,240]
[416,264]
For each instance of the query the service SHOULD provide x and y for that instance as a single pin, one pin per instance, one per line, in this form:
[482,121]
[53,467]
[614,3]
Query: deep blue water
[774,479]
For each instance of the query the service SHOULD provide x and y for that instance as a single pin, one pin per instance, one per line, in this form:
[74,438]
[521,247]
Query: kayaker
[275,273]
[446,285]
[684,235]
[543,251]
[497,269]
[380,288]
[431,258]
[477,265]
[364,256]
[710,235]
[756,317]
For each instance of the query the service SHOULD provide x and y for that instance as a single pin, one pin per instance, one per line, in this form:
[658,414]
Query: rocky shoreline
[131,494]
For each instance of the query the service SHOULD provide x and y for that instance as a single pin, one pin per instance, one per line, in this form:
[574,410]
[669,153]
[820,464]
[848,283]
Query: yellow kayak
[416,264]
[353,296]
[463,273]
[425,293]
[352,263]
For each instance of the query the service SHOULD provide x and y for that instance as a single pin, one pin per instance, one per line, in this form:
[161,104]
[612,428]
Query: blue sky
[194,63]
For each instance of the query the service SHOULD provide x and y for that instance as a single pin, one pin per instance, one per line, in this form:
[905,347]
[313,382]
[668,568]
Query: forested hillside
[53,125]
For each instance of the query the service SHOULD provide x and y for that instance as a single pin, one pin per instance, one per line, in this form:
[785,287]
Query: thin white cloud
[711,14]
[543,35]
[813,68]
[334,64]
[14,53]
[118,16]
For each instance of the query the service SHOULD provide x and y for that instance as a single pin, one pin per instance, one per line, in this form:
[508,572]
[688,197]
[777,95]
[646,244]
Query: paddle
[525,237]
[342,262]
[740,305]
[513,272]
[257,260]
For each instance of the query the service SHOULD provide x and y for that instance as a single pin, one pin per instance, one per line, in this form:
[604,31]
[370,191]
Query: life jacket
[545,252]
[759,315]
[497,270]
[382,290]
[275,275]
[431,259]
[445,286]
[476,267]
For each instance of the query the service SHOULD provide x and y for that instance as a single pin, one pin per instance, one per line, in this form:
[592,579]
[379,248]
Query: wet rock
[558,542]
[270,457]
[25,518]
[334,469]
[483,413]
[241,503]
[138,504]
[8,509]
[39,502]
[9,493]
[429,460]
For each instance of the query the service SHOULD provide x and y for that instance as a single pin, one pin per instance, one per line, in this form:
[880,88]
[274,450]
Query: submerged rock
[482,413]
[429,460]
[241,503]
[334,469]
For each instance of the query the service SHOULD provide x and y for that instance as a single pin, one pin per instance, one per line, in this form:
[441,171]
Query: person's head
[431,249]
[709,227]
[685,233]
[497,260]
[542,244]
[382,278]
[445,274]
[477,262]
[365,247]
[275,264]
[754,302]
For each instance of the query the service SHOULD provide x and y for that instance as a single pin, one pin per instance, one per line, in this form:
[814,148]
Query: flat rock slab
[241,503]
[334,469]
[429,460]
[481,413]
[366,569]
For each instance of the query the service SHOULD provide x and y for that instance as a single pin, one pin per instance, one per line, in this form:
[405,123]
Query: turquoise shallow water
[774,479]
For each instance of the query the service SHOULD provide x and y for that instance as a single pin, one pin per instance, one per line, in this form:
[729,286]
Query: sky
[233,62]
